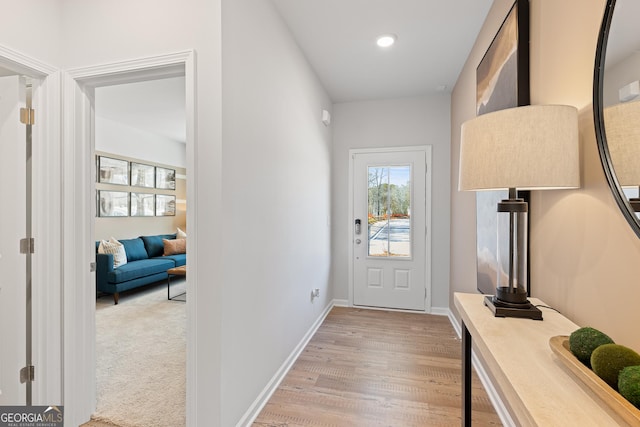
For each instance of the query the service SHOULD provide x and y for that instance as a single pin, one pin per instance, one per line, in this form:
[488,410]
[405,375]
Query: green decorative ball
[583,341]
[609,359]
[629,384]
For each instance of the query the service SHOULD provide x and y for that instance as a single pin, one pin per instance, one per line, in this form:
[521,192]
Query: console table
[534,386]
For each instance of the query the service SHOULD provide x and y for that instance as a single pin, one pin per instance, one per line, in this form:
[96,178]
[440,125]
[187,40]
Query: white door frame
[428,155]
[47,211]
[78,222]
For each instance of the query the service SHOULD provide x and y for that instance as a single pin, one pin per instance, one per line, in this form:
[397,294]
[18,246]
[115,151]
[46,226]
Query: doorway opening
[81,205]
[141,188]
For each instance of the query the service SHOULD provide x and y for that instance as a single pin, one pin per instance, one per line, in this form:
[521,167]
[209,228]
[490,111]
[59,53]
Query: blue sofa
[145,264]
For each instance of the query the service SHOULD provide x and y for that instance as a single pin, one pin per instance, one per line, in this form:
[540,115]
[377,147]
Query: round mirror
[616,104]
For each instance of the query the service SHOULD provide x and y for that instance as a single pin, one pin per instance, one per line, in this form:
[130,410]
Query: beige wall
[584,256]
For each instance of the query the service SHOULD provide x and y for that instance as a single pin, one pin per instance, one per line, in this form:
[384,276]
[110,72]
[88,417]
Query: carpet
[141,358]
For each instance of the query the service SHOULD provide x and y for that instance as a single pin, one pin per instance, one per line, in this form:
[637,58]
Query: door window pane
[389,211]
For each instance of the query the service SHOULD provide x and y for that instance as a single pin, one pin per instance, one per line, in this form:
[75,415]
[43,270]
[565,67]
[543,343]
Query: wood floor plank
[377,368]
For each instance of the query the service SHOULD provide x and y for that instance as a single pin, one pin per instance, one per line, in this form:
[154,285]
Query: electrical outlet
[316,292]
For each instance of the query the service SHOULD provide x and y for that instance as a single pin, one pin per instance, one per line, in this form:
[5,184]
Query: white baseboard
[440,311]
[256,407]
[497,403]
[494,397]
[455,323]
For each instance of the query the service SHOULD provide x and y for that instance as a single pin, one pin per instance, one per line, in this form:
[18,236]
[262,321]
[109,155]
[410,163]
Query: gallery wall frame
[165,178]
[113,203]
[165,205]
[143,175]
[113,171]
[143,204]
[502,81]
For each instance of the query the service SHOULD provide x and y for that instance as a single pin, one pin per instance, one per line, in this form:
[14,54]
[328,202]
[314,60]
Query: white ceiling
[338,38]
[156,106]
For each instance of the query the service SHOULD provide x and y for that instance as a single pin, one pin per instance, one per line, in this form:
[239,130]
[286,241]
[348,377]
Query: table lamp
[623,140]
[535,147]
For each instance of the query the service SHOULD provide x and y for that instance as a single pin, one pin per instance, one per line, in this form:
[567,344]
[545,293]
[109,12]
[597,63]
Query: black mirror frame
[598,117]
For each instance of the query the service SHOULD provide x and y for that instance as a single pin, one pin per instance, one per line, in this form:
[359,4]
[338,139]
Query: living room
[141,187]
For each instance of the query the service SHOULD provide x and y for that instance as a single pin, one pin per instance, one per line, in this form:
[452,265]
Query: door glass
[389,211]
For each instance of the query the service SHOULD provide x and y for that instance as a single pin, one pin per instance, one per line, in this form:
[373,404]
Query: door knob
[358,241]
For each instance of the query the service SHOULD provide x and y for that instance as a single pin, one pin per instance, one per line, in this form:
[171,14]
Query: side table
[176,271]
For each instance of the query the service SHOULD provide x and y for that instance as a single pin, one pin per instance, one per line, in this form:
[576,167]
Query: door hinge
[28,373]
[27,246]
[28,116]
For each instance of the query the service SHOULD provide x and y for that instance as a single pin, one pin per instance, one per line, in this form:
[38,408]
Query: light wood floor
[377,368]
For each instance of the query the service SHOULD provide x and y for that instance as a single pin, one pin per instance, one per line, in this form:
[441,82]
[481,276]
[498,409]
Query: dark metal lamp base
[502,309]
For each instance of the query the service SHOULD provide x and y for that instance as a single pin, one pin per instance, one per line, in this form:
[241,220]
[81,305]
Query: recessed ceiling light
[386,40]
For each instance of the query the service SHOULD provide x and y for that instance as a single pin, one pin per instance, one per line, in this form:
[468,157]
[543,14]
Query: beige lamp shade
[530,148]
[622,128]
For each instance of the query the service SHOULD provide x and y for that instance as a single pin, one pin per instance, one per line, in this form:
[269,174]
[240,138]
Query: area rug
[141,359]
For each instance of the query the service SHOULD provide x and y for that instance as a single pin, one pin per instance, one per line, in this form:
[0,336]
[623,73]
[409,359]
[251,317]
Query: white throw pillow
[112,246]
[180,234]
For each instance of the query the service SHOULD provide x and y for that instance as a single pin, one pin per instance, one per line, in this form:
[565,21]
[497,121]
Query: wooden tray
[621,406]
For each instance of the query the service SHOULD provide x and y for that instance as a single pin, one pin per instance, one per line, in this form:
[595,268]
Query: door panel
[12,229]
[389,253]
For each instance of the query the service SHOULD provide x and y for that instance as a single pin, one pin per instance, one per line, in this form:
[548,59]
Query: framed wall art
[165,178]
[502,81]
[143,175]
[113,171]
[165,205]
[113,203]
[143,204]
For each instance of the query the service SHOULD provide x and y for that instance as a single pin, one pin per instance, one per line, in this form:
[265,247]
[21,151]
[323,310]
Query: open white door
[13,268]
[389,229]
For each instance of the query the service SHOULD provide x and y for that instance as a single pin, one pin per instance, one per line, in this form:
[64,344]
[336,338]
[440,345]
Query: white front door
[389,227]
[13,228]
